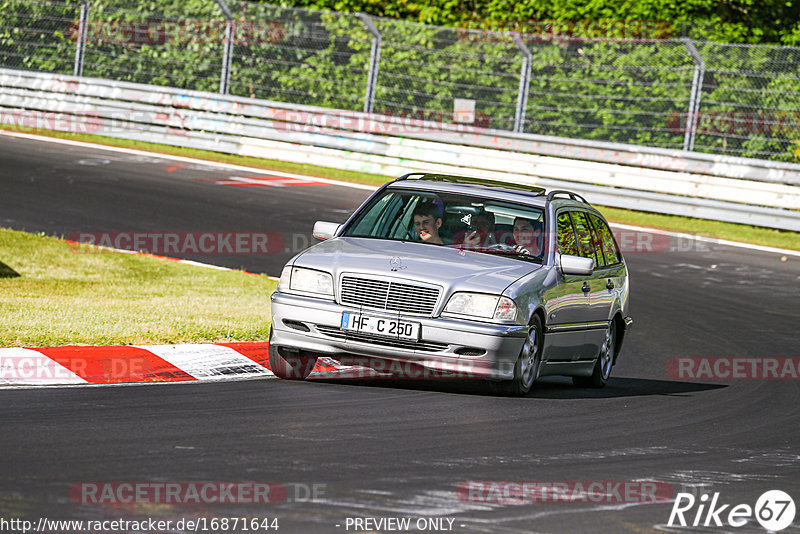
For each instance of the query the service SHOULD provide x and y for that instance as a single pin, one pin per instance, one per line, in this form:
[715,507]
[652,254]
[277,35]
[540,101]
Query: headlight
[306,281]
[481,305]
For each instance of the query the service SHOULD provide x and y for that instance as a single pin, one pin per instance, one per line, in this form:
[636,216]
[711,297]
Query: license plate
[380,326]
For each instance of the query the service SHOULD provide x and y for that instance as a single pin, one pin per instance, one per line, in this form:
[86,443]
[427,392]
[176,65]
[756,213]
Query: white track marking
[208,362]
[360,186]
[29,367]
[209,266]
[184,159]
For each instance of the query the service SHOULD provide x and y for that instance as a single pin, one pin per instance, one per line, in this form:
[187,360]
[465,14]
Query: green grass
[714,229]
[67,296]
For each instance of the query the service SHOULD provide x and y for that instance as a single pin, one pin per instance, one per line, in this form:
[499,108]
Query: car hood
[450,268]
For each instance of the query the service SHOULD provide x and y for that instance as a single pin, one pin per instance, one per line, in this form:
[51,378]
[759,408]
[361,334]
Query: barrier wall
[757,192]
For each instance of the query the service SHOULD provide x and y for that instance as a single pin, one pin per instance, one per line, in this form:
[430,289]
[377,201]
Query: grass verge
[66,296]
[714,229]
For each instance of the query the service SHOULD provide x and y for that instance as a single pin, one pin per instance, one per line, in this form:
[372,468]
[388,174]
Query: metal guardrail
[756,192]
[634,83]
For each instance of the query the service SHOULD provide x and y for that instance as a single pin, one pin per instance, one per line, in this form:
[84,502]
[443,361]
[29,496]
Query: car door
[568,304]
[600,296]
[614,274]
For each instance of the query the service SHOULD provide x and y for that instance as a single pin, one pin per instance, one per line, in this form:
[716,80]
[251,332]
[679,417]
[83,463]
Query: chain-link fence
[675,93]
[39,35]
[303,56]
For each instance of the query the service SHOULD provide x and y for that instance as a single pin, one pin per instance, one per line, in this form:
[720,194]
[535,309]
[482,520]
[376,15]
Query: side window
[606,240]
[382,217]
[583,232]
[399,226]
[566,235]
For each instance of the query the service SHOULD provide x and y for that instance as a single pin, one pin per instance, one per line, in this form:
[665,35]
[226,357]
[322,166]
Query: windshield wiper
[505,251]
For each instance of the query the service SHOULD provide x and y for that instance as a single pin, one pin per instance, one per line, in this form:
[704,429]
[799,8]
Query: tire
[289,367]
[528,364]
[605,361]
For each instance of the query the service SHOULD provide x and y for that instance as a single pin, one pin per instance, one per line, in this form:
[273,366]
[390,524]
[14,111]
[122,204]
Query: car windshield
[468,222]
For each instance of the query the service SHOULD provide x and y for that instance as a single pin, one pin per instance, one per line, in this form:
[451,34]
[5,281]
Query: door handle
[586,287]
[610,284]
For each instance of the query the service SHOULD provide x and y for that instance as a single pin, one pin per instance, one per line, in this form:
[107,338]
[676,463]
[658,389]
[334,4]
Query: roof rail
[537,191]
[406,176]
[574,196]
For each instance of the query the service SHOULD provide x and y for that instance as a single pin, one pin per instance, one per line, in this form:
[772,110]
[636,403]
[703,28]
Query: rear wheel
[289,367]
[604,363]
[526,369]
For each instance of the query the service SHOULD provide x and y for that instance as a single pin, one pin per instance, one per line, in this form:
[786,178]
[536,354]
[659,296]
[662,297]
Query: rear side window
[566,235]
[586,243]
[606,239]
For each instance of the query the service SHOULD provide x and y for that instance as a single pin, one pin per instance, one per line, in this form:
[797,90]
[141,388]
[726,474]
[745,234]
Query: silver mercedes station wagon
[459,276]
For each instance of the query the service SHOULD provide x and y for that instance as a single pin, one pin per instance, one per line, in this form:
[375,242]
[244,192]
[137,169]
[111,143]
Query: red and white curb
[82,365]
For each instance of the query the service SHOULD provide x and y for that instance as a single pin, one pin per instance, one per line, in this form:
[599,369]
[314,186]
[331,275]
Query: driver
[526,236]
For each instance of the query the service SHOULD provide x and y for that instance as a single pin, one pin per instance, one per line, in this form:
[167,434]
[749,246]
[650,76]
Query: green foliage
[178,44]
[588,78]
[613,91]
[307,57]
[38,35]
[738,21]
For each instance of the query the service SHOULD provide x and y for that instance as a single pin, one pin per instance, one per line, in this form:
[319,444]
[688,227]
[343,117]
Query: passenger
[481,233]
[427,221]
[527,236]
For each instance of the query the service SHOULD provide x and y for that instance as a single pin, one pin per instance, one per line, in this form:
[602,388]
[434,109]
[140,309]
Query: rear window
[606,239]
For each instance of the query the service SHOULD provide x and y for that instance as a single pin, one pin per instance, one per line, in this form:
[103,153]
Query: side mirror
[325,230]
[576,265]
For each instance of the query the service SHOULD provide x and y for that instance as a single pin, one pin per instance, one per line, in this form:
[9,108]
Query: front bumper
[466,348]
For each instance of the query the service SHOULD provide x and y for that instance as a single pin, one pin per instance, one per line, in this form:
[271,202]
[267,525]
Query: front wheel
[526,368]
[289,367]
[604,363]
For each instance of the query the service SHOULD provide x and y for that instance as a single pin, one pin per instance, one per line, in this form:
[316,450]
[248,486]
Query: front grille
[338,333]
[389,295]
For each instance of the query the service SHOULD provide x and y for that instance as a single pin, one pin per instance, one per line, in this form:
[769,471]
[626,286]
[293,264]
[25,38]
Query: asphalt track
[401,448]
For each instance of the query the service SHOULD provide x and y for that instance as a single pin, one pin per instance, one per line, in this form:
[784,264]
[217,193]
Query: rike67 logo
[774,510]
